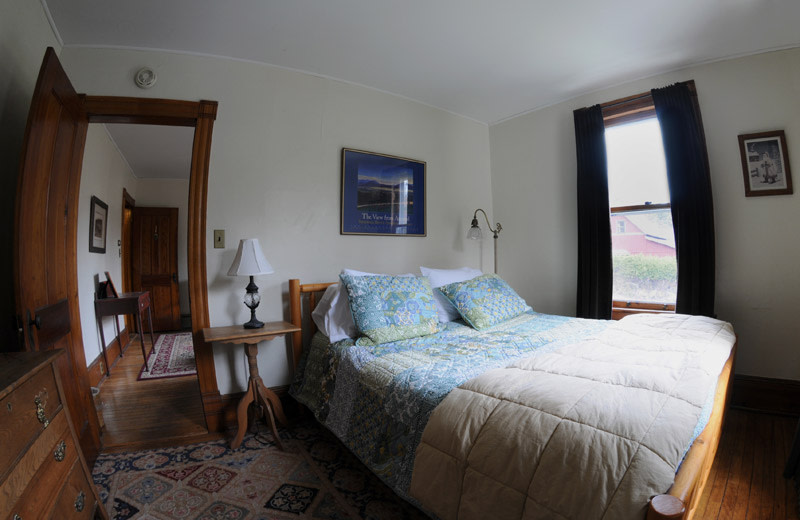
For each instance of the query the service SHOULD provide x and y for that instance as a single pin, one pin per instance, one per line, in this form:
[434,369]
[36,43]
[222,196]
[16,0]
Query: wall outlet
[219,239]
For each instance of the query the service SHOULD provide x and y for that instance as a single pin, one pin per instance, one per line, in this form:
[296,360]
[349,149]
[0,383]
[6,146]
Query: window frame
[620,112]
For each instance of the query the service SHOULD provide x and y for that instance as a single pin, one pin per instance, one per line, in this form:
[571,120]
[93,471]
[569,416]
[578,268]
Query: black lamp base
[252,292]
[254,323]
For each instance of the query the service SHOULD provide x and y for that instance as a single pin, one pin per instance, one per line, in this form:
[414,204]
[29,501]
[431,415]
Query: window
[642,238]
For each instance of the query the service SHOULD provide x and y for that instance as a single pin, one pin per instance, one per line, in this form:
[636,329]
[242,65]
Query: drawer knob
[40,415]
[17,517]
[61,451]
[80,502]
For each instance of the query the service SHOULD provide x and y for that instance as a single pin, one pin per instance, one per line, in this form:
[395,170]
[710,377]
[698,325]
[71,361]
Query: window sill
[617,313]
[620,309]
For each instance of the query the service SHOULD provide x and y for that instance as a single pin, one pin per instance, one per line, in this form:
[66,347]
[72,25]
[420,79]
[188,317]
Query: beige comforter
[587,431]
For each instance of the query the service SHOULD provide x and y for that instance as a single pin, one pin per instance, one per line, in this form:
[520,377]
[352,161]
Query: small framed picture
[382,195]
[98,223]
[765,164]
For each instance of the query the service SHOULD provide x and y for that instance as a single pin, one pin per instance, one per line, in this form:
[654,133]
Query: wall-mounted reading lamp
[475,232]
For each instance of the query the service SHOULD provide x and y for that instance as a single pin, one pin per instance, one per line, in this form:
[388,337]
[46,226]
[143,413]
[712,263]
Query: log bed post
[682,499]
[296,318]
[296,291]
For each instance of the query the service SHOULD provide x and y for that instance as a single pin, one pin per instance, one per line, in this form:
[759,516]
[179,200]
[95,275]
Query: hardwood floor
[746,480]
[149,414]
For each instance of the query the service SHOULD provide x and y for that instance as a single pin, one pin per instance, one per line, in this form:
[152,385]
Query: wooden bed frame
[679,503]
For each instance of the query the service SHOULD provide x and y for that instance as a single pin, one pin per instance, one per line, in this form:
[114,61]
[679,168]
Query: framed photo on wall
[98,224]
[382,195]
[765,164]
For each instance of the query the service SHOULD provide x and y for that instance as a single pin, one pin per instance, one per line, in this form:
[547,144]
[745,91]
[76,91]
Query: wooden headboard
[296,292]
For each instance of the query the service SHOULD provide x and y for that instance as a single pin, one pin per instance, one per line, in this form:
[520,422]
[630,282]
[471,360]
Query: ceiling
[487,60]
[155,152]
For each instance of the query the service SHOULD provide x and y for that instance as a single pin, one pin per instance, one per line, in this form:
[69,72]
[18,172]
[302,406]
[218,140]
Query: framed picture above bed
[98,223]
[765,164]
[382,195]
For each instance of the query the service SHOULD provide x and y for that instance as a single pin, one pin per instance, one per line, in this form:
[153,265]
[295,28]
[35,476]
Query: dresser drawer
[25,471]
[42,490]
[24,413]
[76,501]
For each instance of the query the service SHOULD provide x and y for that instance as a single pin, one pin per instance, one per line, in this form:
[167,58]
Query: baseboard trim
[96,368]
[764,394]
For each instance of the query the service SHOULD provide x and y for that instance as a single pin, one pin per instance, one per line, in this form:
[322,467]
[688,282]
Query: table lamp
[250,261]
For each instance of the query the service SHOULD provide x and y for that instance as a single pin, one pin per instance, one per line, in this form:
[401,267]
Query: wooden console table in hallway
[256,393]
[125,303]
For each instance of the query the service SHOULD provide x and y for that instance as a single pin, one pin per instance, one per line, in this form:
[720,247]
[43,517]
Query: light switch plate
[219,239]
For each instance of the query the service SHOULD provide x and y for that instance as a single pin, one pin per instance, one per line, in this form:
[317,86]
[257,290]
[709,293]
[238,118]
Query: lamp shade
[249,260]
[474,232]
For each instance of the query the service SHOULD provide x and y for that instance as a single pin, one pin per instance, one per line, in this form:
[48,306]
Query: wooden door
[128,203]
[154,263]
[45,255]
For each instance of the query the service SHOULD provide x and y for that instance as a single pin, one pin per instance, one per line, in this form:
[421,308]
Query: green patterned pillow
[390,308]
[485,301]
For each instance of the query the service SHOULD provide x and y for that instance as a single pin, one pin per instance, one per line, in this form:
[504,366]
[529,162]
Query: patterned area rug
[316,478]
[172,356]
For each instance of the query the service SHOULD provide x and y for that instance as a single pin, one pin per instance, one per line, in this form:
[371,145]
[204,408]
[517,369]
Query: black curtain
[594,228]
[690,196]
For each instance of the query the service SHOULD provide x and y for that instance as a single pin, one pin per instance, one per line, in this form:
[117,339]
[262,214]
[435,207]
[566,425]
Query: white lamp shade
[249,260]
[474,233]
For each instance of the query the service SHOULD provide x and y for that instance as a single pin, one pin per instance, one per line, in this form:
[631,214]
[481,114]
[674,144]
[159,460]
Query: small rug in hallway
[172,356]
[315,478]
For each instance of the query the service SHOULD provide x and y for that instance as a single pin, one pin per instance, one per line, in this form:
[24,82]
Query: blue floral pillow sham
[485,301]
[391,308]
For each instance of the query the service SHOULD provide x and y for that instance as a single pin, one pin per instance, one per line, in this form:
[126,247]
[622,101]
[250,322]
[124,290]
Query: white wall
[24,36]
[758,239]
[104,175]
[171,193]
[275,175]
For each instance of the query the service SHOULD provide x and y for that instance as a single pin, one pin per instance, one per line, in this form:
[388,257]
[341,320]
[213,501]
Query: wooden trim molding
[620,309]
[636,107]
[628,109]
[198,281]
[764,394]
[200,115]
[114,349]
[640,207]
[144,111]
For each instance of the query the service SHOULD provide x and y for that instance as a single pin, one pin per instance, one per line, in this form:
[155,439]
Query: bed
[394,405]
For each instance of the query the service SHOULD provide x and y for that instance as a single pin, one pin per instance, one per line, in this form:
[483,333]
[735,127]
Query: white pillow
[440,277]
[333,318]
[332,314]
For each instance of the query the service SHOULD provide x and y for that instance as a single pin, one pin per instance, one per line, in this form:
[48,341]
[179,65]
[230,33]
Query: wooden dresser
[42,472]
